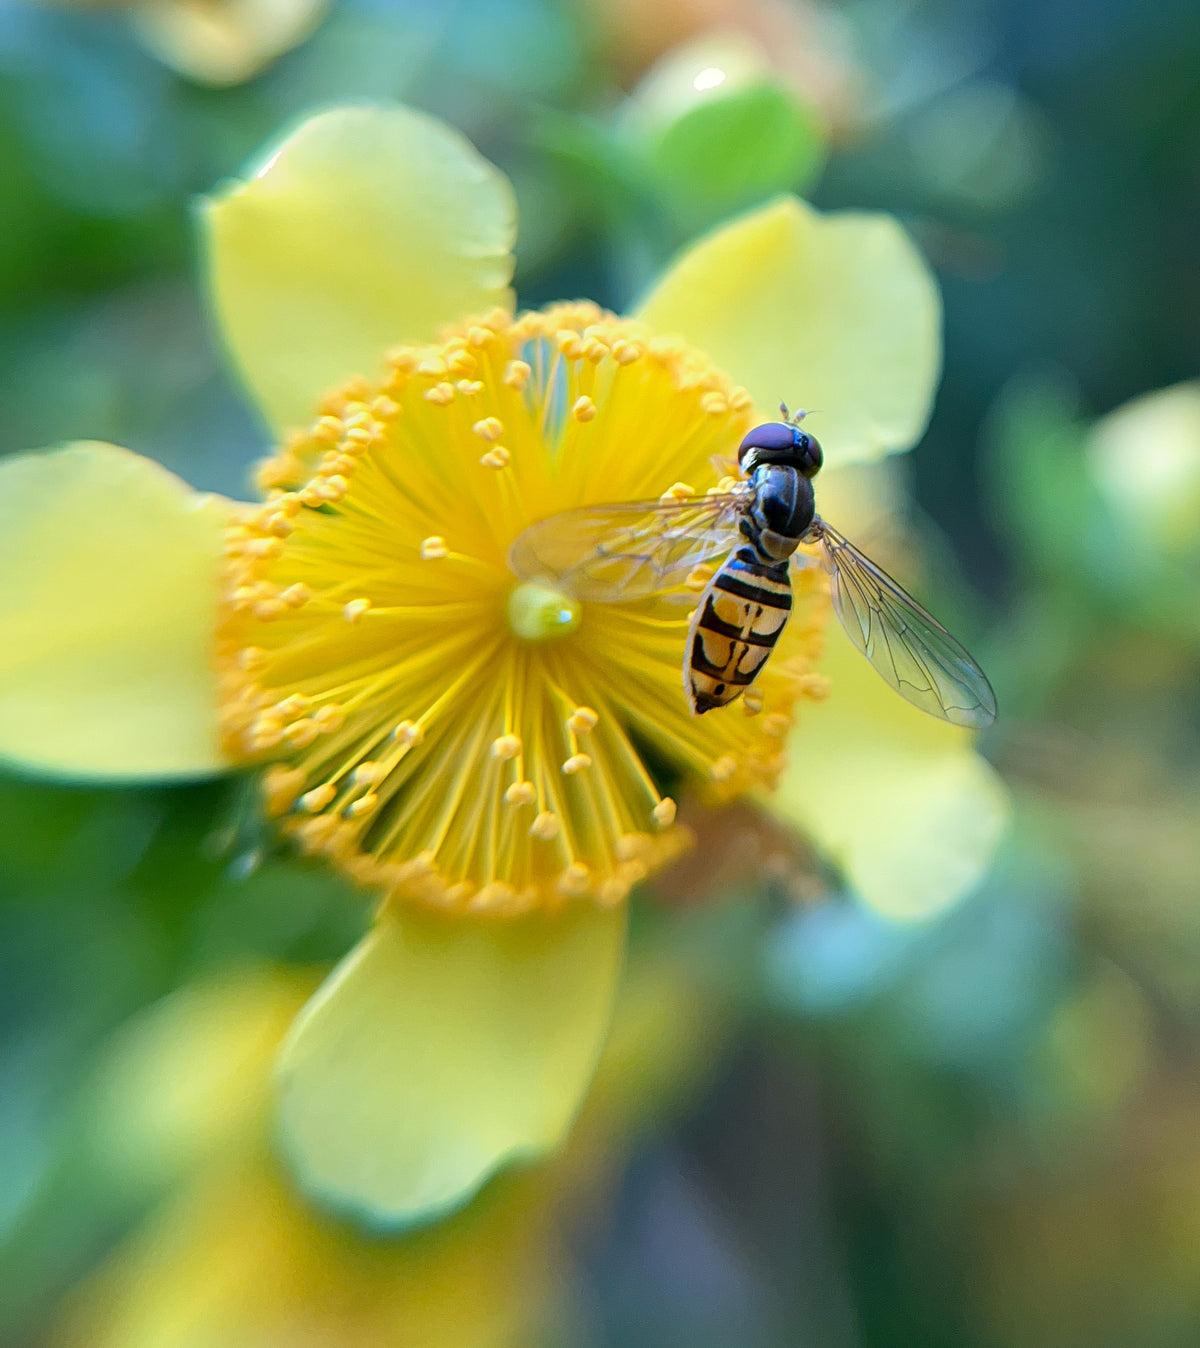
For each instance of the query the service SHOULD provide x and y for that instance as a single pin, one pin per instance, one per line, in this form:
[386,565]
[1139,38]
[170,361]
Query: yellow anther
[266,548]
[408,733]
[277,523]
[516,374]
[506,747]
[574,878]
[356,420]
[329,488]
[296,596]
[584,409]
[625,353]
[442,394]
[665,348]
[358,437]
[266,610]
[296,704]
[363,805]
[752,702]
[724,768]
[577,763]
[314,801]
[369,773]
[663,813]
[815,687]
[776,725]
[714,404]
[478,336]
[678,491]
[433,548]
[329,718]
[496,457]
[698,578]
[433,366]
[581,720]
[463,363]
[354,610]
[569,343]
[300,734]
[385,408]
[726,484]
[469,387]
[280,787]
[489,429]
[521,793]
[327,428]
[544,827]
[634,846]
[252,659]
[612,891]
[740,399]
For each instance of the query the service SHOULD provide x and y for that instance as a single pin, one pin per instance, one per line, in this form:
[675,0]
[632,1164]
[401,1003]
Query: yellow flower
[480,751]
[441,733]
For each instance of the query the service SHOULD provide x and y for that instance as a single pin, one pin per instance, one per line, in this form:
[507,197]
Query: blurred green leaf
[736,149]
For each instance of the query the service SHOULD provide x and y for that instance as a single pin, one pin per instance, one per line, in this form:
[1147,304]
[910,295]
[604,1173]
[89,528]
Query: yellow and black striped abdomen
[735,628]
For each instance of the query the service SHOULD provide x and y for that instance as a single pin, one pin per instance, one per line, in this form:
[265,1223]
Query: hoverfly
[609,553]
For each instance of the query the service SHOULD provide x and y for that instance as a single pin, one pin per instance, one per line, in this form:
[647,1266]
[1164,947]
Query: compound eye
[811,453]
[775,436]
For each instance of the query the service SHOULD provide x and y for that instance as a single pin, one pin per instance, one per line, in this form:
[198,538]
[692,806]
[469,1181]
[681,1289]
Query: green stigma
[538,612]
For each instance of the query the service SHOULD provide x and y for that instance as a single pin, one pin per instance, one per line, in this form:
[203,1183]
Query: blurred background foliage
[830,1127]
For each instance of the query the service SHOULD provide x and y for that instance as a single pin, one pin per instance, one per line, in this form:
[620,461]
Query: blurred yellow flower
[230,1254]
[475,748]
[218,42]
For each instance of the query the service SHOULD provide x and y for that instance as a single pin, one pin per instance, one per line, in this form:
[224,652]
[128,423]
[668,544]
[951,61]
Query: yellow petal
[836,313]
[366,227]
[901,801]
[225,42]
[109,571]
[441,1050]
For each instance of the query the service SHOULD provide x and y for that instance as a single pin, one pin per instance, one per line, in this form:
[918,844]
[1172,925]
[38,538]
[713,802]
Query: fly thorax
[783,506]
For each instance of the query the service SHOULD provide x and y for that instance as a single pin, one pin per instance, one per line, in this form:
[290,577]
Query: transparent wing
[612,552]
[907,645]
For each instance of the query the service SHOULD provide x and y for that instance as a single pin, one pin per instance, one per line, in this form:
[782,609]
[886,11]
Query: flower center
[538,612]
[426,725]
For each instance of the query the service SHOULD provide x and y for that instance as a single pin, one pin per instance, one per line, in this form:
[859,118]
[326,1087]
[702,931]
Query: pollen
[451,735]
[581,720]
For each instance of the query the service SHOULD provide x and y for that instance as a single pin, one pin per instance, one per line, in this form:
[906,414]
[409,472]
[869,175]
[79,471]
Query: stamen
[506,747]
[314,801]
[355,609]
[582,720]
[433,548]
[489,428]
[545,827]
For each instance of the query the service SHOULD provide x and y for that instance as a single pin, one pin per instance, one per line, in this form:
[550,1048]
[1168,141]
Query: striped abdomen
[735,627]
